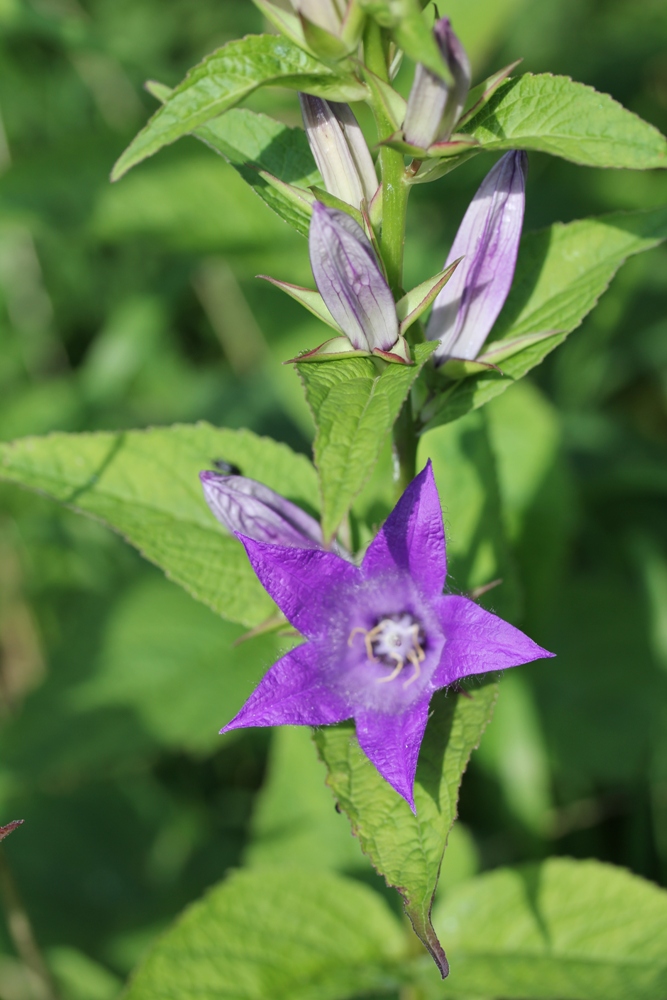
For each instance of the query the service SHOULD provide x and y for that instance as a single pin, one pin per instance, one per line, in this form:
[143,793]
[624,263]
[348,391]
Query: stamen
[393,675]
[414,660]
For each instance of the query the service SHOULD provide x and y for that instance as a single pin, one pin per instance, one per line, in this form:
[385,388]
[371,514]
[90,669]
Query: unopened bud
[325,13]
[435,106]
[339,149]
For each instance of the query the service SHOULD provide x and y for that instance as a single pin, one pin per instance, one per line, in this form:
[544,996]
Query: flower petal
[246,506]
[412,539]
[392,742]
[488,240]
[292,694]
[350,281]
[477,641]
[331,149]
[306,584]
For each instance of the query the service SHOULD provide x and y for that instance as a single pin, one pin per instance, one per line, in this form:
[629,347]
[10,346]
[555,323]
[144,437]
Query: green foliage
[554,115]
[561,273]
[407,848]
[276,933]
[354,407]
[562,930]
[410,29]
[144,484]
[224,79]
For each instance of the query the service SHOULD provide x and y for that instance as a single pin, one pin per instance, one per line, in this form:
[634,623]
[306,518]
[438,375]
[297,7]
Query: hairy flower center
[393,641]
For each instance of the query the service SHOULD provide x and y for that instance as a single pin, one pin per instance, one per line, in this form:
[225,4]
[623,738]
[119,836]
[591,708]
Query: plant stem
[21,931]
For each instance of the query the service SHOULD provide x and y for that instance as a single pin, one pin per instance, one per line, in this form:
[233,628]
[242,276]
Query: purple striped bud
[434,106]
[252,509]
[350,281]
[339,149]
[488,241]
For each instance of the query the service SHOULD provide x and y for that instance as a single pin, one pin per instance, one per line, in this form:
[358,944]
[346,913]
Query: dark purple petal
[457,60]
[412,539]
[339,149]
[306,584]
[433,106]
[246,506]
[488,240]
[392,742]
[292,694]
[477,641]
[350,281]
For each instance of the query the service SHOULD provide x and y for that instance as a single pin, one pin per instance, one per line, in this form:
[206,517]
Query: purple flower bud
[434,107]
[350,281]
[340,150]
[488,241]
[246,506]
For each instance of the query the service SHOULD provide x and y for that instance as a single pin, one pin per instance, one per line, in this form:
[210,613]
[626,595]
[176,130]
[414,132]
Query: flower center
[394,641]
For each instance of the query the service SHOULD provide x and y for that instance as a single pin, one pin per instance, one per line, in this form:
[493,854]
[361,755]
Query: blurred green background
[136,304]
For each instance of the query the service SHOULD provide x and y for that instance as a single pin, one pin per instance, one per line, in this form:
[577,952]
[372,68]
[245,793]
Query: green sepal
[331,201]
[308,298]
[453,146]
[417,301]
[323,44]
[386,99]
[483,93]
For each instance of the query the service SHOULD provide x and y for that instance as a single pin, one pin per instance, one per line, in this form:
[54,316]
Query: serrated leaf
[224,79]
[276,933]
[145,485]
[406,848]
[354,405]
[555,115]
[561,273]
[562,930]
[274,159]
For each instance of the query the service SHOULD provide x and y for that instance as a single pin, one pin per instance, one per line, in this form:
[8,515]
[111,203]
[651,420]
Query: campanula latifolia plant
[389,661]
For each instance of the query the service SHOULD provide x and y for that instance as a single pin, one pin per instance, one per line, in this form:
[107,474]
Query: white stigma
[393,641]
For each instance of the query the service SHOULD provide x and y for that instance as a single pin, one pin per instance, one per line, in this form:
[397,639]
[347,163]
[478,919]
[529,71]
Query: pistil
[393,641]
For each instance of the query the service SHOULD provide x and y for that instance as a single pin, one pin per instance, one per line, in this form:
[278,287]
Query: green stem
[392,239]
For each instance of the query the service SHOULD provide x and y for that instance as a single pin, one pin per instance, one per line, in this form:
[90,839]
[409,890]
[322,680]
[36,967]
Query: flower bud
[324,13]
[339,149]
[350,281]
[245,506]
[488,241]
[434,106]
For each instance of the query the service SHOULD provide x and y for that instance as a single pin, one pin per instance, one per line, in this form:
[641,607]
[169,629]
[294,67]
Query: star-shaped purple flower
[381,637]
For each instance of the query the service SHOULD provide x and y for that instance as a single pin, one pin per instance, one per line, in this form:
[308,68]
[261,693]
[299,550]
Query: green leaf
[294,820]
[274,934]
[406,848]
[224,79]
[354,402]
[555,115]
[271,157]
[561,273]
[144,485]
[562,930]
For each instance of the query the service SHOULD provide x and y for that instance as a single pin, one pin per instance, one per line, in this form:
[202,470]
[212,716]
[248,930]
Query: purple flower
[488,241]
[433,106]
[350,281]
[339,149]
[381,637]
[249,508]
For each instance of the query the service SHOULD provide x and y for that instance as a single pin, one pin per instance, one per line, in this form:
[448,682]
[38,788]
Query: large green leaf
[256,146]
[225,78]
[553,114]
[294,820]
[354,402]
[562,930]
[276,934]
[561,273]
[406,848]
[144,484]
